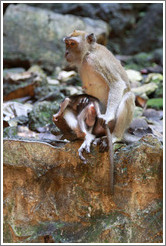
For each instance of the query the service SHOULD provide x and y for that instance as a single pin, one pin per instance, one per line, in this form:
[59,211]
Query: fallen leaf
[15,109]
[140,101]
[64,76]
[19,76]
[27,90]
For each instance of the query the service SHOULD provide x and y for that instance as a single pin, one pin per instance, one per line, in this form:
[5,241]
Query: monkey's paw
[80,152]
[103,145]
[86,146]
[102,142]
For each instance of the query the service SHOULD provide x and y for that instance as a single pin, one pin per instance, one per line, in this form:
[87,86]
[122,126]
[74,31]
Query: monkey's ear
[91,38]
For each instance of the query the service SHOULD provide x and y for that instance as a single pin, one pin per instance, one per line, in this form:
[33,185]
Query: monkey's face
[72,53]
[77,46]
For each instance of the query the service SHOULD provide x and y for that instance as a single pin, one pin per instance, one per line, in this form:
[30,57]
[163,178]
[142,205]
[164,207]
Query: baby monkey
[80,113]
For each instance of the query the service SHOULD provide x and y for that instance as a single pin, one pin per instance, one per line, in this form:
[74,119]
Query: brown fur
[104,78]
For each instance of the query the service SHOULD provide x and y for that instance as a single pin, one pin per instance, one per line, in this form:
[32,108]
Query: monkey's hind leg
[68,125]
[72,122]
[87,115]
[124,116]
[63,106]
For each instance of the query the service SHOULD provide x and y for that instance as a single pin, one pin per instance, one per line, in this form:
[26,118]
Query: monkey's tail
[111,159]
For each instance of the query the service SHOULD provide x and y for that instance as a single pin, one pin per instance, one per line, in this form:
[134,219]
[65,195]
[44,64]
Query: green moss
[133,66]
[140,61]
[10,132]
[159,91]
[156,103]
[143,59]
[7,235]
[42,229]
[41,114]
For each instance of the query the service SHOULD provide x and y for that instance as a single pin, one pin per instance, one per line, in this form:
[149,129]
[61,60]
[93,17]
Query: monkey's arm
[110,73]
[116,91]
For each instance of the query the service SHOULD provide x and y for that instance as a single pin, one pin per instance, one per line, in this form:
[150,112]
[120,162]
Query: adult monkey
[104,78]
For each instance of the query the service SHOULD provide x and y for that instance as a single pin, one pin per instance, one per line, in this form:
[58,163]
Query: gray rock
[120,16]
[79,9]
[158,54]
[148,33]
[34,36]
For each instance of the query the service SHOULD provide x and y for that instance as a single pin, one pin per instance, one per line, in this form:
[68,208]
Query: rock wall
[50,196]
[34,36]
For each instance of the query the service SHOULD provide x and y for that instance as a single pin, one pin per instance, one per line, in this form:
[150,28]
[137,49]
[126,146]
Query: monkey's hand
[86,146]
[102,142]
[82,103]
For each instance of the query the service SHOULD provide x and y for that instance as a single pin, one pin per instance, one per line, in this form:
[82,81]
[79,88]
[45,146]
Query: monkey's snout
[66,54]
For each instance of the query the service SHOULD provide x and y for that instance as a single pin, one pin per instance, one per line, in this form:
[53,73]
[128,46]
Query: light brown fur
[103,77]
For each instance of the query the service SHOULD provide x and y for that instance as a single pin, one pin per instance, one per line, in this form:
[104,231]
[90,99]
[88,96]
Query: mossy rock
[41,114]
[159,92]
[10,132]
[140,60]
[154,77]
[138,111]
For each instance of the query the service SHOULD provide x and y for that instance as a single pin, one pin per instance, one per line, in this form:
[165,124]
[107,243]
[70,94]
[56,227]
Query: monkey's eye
[72,43]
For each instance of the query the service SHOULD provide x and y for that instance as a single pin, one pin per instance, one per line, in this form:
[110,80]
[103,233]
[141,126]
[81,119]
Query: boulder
[148,32]
[51,197]
[121,16]
[34,36]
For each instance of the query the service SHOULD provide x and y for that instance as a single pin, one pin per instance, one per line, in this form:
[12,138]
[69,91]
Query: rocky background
[49,195]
